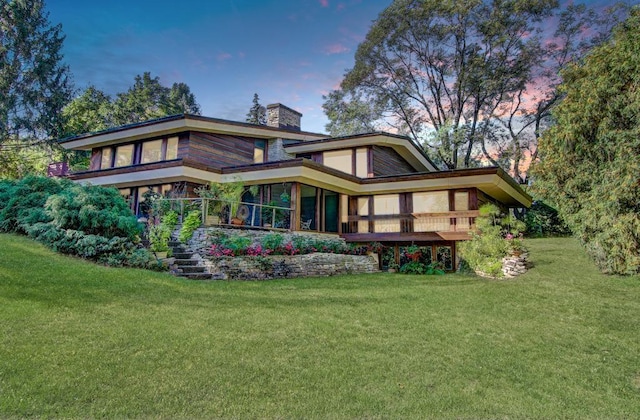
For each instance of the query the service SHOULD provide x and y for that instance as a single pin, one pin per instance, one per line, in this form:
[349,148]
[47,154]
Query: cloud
[335,49]
[223,56]
[324,3]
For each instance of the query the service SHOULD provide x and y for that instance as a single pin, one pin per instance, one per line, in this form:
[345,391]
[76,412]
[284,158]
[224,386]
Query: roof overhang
[492,181]
[177,124]
[404,146]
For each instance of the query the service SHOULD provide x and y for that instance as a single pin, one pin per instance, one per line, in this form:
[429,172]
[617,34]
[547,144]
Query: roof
[404,145]
[178,123]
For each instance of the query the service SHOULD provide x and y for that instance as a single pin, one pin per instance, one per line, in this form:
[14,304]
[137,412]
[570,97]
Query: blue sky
[288,51]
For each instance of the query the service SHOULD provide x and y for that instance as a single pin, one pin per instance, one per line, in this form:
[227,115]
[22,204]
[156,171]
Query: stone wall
[288,266]
[276,152]
[317,264]
[281,116]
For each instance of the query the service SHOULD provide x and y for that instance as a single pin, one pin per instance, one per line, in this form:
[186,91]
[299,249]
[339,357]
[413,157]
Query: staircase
[184,265]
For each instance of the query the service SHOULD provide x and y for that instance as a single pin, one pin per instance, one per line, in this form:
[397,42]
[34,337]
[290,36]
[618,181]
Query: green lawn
[79,340]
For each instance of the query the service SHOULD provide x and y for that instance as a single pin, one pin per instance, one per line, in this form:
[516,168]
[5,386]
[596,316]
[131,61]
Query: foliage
[94,210]
[34,85]
[91,222]
[226,196]
[277,244]
[22,202]
[348,115]
[170,220]
[94,110]
[258,113]
[589,163]
[416,267]
[469,79]
[191,222]
[159,236]
[497,236]
[543,220]
[147,99]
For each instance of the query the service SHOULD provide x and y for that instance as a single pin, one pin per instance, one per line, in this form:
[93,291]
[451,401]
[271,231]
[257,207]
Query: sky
[287,51]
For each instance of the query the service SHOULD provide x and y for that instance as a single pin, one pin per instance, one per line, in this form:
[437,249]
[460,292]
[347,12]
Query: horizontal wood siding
[387,161]
[218,150]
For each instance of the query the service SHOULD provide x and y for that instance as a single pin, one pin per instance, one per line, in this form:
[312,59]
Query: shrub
[189,225]
[94,210]
[416,267]
[543,220]
[22,202]
[497,235]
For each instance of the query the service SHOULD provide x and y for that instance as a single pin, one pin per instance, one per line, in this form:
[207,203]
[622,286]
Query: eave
[492,181]
[404,146]
[178,124]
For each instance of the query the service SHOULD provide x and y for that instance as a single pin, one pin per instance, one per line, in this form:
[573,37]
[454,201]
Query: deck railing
[220,212]
[453,221]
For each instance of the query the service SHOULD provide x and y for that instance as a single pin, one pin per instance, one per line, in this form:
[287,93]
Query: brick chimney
[281,116]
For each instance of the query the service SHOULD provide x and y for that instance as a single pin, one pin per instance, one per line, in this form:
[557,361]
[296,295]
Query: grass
[80,340]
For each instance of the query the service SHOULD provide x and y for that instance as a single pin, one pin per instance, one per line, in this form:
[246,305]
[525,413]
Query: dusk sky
[288,51]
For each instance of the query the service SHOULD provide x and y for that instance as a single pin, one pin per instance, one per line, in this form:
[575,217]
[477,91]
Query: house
[370,187]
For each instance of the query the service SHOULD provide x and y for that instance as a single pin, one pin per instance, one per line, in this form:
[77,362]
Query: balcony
[449,226]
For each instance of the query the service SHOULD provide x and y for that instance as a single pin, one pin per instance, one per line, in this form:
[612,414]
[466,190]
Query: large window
[145,152]
[151,151]
[388,204]
[124,156]
[430,202]
[107,158]
[172,148]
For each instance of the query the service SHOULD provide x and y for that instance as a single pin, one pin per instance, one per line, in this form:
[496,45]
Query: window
[387,205]
[107,158]
[363,210]
[124,156]
[172,148]
[151,151]
[430,202]
[258,151]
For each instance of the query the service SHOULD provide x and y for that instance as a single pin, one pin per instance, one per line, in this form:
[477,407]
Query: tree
[258,113]
[34,82]
[181,101]
[89,112]
[348,115]
[471,80]
[588,163]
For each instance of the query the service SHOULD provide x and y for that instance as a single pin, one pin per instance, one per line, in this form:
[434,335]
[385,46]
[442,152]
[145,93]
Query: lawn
[80,340]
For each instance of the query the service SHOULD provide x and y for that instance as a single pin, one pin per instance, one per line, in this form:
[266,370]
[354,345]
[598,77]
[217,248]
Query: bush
[497,236]
[189,225]
[94,210]
[543,220]
[22,202]
[416,267]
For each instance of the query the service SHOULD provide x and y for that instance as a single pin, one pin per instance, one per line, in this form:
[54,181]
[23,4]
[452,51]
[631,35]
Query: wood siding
[387,161]
[217,150]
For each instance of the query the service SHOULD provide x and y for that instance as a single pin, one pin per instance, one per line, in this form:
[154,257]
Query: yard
[81,340]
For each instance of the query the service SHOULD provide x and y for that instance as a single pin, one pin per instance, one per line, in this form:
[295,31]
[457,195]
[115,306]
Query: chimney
[281,116]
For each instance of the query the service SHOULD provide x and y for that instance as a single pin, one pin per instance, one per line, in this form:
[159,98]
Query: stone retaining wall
[288,266]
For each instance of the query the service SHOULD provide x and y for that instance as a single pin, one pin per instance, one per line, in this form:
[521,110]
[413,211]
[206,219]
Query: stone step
[188,269]
[185,262]
[195,276]
[182,255]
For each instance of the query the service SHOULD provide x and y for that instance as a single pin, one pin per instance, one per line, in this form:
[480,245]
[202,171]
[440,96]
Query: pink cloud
[241,54]
[341,6]
[324,3]
[223,56]
[335,49]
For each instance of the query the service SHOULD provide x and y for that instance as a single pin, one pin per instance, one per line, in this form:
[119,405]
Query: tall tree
[257,113]
[589,167]
[443,66]
[471,79]
[34,82]
[181,101]
[91,111]
[348,115]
